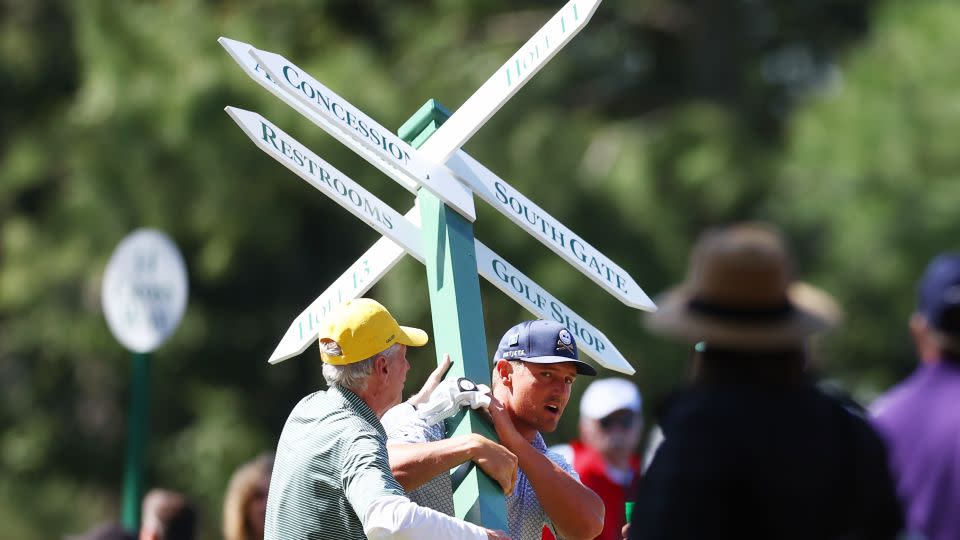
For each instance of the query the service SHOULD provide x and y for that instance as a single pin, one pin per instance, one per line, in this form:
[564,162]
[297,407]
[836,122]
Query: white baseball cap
[605,396]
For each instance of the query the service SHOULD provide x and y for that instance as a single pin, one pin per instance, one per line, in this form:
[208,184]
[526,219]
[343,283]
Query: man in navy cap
[920,417]
[534,370]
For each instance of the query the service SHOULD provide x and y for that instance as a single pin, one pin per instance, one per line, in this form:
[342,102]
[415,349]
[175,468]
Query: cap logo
[564,341]
[514,354]
[514,339]
[391,338]
[331,347]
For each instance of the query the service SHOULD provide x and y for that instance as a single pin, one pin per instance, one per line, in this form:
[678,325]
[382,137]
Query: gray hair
[353,376]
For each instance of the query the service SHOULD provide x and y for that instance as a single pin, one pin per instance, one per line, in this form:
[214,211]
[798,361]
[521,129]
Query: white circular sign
[144,290]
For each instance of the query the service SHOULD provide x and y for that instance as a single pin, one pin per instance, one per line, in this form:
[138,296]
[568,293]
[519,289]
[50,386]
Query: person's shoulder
[837,396]
[398,415]
[729,415]
[559,459]
[324,413]
[705,407]
[564,451]
[402,423]
[899,396]
[845,417]
[309,403]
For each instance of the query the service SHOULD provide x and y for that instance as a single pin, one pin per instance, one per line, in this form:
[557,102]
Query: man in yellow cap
[331,478]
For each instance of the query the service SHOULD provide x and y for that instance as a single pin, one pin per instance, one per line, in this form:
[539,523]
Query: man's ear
[918,325]
[382,365]
[504,372]
[924,338]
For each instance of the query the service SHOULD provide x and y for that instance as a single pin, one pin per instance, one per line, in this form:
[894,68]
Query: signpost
[240,52]
[506,81]
[438,230]
[549,231]
[352,127]
[266,67]
[383,255]
[144,296]
[323,176]
[406,236]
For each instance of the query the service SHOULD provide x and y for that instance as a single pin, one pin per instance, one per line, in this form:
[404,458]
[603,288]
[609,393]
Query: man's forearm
[399,519]
[413,464]
[575,510]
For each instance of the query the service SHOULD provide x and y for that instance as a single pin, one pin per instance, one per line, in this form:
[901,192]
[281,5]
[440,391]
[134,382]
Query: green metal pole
[137,430]
[457,313]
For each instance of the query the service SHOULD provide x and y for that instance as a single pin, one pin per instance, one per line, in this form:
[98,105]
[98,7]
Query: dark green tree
[830,117]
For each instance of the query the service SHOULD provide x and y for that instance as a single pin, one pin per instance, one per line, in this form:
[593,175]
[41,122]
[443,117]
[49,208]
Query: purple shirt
[920,421]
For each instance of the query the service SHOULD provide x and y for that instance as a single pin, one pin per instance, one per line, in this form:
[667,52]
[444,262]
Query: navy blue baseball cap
[542,342]
[939,294]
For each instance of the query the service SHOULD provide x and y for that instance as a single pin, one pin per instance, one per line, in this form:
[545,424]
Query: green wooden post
[457,314]
[137,429]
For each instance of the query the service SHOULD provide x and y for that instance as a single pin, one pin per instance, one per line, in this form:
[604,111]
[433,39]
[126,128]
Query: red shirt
[592,469]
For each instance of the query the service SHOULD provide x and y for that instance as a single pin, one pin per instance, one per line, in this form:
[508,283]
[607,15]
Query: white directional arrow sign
[400,230]
[505,82]
[541,303]
[497,192]
[354,283]
[555,235]
[352,127]
[360,133]
[240,52]
[325,177]
[384,254]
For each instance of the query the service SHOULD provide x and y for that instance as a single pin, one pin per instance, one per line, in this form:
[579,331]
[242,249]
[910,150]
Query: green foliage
[870,183]
[660,119]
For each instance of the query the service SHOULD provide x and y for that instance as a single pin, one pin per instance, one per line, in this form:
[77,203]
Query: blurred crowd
[752,445]
[170,515]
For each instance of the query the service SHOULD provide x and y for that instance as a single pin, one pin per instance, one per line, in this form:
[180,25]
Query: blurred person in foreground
[752,448]
[535,367]
[245,504]
[605,456]
[920,417]
[331,476]
[167,515]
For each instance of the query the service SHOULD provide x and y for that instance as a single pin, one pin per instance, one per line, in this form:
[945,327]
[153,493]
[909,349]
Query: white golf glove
[451,394]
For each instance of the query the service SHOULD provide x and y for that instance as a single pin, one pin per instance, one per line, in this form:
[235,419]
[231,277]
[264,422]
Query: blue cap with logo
[939,294]
[542,342]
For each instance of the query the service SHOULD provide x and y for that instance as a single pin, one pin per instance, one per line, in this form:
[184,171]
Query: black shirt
[774,462]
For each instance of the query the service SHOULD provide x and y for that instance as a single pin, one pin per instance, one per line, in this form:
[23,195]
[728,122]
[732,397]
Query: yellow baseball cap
[363,328]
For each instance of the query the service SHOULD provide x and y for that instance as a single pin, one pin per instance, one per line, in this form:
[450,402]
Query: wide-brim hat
[740,293]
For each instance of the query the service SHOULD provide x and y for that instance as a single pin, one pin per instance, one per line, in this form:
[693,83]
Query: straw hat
[739,293]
